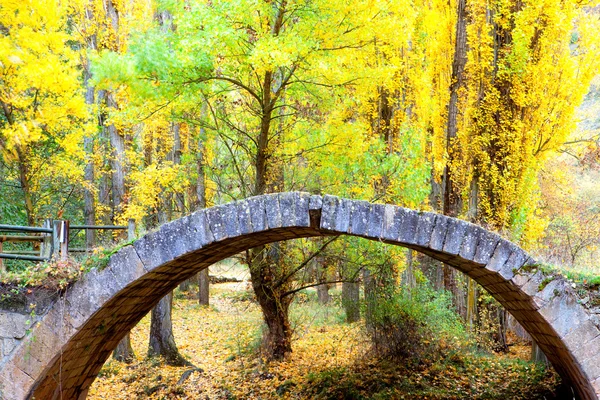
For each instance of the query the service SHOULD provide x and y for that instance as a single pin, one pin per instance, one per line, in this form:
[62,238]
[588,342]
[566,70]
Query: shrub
[414,325]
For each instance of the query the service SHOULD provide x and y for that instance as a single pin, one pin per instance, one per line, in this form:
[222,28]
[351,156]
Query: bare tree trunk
[409,280]
[162,342]
[537,355]
[369,287]
[451,194]
[203,288]
[321,274]
[124,352]
[351,300]
[25,184]
[471,311]
[89,210]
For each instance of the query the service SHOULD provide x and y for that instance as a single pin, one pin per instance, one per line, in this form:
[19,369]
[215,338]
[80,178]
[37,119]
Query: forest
[117,112]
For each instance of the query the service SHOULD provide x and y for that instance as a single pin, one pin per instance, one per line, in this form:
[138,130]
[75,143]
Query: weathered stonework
[72,337]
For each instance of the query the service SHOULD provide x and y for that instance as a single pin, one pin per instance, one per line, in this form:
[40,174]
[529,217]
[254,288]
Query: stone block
[287,206]
[550,287]
[591,366]
[244,217]
[392,222]
[531,287]
[469,243]
[273,211]
[315,203]
[584,341]
[301,202]
[231,220]
[156,248]
[501,255]
[199,234]
[258,213]
[408,228]
[455,234]
[14,383]
[329,206]
[359,218]
[126,266]
[375,220]
[342,212]
[486,244]
[425,227]
[564,314]
[215,217]
[438,234]
[514,263]
[89,294]
[8,345]
[13,325]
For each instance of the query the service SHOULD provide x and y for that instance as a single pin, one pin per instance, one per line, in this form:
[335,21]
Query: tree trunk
[124,352]
[451,194]
[409,280]
[277,338]
[537,355]
[89,210]
[471,316]
[162,342]
[351,301]
[197,200]
[25,185]
[203,288]
[369,287]
[321,274]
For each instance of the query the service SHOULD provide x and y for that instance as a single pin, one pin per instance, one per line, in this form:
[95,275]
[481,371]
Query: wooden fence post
[56,225]
[64,239]
[130,229]
[2,268]
[46,246]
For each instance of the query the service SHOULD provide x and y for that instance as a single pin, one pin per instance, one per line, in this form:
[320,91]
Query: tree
[43,111]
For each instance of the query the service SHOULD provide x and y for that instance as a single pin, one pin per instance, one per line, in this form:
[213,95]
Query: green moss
[99,259]
[545,282]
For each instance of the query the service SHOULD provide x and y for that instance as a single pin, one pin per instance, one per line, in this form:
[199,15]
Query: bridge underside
[66,350]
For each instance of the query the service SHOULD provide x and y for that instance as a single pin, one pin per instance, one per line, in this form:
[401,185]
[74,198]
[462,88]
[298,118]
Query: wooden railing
[53,237]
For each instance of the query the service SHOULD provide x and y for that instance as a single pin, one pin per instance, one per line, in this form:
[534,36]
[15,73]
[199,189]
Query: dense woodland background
[115,110]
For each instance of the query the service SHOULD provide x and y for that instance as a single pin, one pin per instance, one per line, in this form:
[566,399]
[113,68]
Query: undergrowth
[331,360]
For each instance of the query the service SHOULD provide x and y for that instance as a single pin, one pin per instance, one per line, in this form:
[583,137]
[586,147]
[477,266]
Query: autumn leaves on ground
[331,359]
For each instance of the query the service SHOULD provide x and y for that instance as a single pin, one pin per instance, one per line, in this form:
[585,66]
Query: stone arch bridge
[68,344]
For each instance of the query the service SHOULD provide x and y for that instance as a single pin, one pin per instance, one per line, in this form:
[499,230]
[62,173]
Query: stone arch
[68,346]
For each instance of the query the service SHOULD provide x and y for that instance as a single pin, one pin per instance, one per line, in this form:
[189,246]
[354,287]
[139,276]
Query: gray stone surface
[439,233]
[425,229]
[408,227]
[215,217]
[342,215]
[454,236]
[244,217]
[274,217]
[315,202]
[392,222]
[359,218]
[328,206]
[13,325]
[258,214]
[375,220]
[302,203]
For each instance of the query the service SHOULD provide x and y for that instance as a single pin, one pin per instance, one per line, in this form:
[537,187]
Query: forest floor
[330,360]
